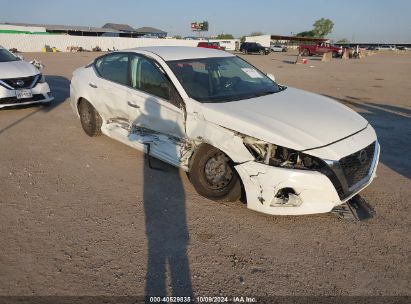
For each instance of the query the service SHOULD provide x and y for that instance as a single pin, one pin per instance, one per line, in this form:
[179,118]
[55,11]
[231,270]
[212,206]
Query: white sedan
[230,126]
[20,82]
[278,48]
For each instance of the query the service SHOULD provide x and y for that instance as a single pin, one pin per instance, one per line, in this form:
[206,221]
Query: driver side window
[146,76]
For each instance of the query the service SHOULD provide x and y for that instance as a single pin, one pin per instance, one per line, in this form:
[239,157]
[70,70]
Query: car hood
[16,69]
[291,118]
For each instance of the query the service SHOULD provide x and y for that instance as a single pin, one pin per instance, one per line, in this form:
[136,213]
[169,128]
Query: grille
[9,100]
[21,83]
[334,180]
[357,165]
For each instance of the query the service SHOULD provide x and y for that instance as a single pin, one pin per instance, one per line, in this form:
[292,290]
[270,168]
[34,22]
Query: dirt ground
[86,216]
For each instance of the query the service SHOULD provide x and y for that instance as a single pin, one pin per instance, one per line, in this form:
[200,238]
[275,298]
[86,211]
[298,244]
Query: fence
[35,43]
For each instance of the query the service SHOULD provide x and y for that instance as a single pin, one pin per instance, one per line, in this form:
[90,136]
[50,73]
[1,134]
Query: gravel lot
[86,216]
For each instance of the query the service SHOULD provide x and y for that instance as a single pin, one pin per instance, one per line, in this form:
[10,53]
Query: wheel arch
[200,149]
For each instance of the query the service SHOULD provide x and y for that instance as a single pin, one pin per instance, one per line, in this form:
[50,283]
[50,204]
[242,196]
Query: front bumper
[314,191]
[41,94]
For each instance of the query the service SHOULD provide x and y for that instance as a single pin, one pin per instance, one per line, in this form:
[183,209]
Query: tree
[225,36]
[177,37]
[306,34]
[344,40]
[323,27]
[256,34]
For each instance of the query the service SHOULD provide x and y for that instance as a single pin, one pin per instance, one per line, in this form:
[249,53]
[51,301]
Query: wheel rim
[218,172]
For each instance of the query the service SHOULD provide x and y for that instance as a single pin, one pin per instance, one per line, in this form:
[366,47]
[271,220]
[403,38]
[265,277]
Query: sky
[355,20]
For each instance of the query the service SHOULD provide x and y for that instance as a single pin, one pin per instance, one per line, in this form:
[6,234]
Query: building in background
[151,32]
[108,30]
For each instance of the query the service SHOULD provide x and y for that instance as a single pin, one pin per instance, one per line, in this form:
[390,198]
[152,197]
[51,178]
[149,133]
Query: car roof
[182,52]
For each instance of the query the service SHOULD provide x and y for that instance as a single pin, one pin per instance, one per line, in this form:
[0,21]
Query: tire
[262,52]
[244,51]
[305,52]
[335,55]
[90,119]
[213,175]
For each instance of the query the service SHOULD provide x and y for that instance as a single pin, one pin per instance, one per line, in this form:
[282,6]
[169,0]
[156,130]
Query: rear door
[155,98]
[110,87]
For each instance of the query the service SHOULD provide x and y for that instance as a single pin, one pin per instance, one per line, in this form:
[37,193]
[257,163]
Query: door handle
[93,85]
[133,105]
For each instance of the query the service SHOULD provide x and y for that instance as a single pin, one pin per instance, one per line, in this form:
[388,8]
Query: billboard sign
[199,26]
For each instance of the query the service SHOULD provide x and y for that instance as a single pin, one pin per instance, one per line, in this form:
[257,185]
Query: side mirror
[271,76]
[20,57]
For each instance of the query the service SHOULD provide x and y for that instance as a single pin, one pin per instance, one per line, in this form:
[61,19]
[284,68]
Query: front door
[151,94]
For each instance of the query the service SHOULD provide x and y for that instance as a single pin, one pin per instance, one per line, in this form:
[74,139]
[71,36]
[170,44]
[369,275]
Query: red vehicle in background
[319,49]
[211,45]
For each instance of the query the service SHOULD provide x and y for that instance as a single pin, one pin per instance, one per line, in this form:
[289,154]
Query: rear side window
[114,68]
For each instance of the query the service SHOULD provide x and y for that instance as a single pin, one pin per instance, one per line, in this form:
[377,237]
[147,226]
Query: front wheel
[213,175]
[90,119]
[305,53]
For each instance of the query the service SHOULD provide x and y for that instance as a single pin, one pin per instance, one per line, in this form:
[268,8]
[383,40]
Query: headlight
[278,156]
[42,78]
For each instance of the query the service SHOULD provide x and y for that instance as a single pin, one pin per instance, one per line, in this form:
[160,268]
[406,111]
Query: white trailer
[264,40]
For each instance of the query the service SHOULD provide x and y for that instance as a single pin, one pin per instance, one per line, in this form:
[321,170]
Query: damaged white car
[230,126]
[21,83]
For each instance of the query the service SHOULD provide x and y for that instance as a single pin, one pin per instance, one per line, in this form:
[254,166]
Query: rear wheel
[262,52]
[90,119]
[305,52]
[244,51]
[213,175]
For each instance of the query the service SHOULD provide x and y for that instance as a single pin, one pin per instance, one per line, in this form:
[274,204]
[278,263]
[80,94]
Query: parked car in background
[211,45]
[403,48]
[229,126]
[21,83]
[254,47]
[278,48]
[319,49]
[386,48]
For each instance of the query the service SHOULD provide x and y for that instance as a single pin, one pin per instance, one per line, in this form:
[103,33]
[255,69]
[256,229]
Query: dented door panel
[157,114]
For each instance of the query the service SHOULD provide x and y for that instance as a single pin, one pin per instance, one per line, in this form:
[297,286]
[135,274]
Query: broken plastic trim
[356,208]
[148,145]
[286,197]
[278,156]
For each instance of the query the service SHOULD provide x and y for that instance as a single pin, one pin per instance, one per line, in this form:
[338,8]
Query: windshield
[221,79]
[6,56]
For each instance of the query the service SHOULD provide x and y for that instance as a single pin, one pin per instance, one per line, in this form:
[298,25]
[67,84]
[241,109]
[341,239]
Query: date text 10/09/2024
[201,299]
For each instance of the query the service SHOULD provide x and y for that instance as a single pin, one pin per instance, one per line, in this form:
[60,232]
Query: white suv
[20,82]
[386,48]
[230,126]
